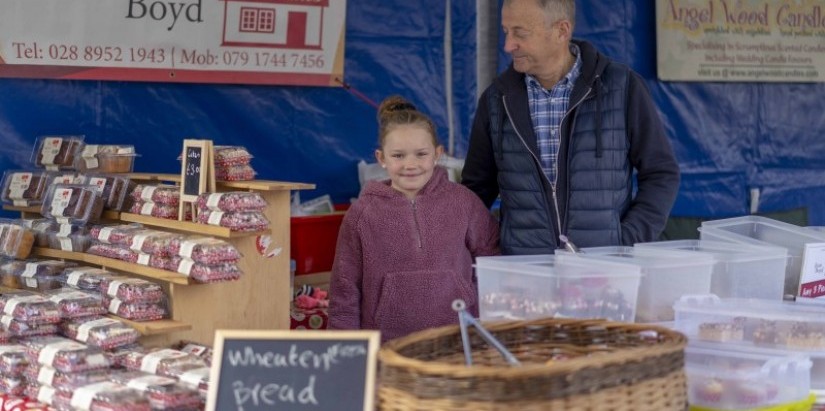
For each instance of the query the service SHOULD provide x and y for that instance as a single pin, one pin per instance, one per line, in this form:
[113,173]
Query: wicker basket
[567,365]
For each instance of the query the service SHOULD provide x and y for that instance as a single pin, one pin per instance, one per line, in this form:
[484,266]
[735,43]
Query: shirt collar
[568,78]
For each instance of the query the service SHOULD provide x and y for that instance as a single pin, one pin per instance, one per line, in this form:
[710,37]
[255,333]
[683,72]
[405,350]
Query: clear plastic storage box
[719,378]
[765,231]
[24,188]
[667,275]
[526,287]
[106,158]
[76,204]
[741,270]
[56,152]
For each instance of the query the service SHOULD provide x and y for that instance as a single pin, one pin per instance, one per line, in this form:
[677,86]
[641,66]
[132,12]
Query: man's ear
[565,30]
[379,156]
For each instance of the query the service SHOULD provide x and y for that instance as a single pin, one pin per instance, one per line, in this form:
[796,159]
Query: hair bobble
[401,107]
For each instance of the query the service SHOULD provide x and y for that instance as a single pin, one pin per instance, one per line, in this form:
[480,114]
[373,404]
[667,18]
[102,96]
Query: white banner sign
[741,40]
[213,41]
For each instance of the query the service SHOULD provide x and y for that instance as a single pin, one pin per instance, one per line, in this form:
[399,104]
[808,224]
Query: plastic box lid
[72,203]
[24,188]
[721,378]
[741,270]
[107,158]
[57,152]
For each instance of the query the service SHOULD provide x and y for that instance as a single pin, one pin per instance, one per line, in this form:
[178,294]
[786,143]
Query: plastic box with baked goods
[56,152]
[724,379]
[23,188]
[741,270]
[75,204]
[527,287]
[16,240]
[667,275]
[106,158]
[113,188]
[765,231]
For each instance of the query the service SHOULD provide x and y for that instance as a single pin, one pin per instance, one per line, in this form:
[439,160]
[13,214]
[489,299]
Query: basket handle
[465,320]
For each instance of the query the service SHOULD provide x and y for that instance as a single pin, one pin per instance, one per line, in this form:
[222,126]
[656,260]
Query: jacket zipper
[555,180]
[417,227]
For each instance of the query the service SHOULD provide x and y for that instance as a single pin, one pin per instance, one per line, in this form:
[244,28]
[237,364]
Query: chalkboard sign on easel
[197,174]
[293,370]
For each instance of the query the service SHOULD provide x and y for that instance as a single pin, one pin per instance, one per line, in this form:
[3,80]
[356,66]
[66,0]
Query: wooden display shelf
[156,327]
[107,214]
[259,185]
[319,279]
[141,270]
[189,227]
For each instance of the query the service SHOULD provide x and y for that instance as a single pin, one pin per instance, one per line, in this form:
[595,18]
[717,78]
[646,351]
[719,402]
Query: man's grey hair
[556,9]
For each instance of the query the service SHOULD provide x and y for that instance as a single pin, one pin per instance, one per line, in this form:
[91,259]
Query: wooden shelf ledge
[188,226]
[156,327]
[260,185]
[107,214]
[137,269]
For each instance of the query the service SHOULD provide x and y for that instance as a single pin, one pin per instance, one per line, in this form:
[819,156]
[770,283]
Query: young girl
[406,247]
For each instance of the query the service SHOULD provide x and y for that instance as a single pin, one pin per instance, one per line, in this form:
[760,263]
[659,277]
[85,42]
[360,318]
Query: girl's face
[409,156]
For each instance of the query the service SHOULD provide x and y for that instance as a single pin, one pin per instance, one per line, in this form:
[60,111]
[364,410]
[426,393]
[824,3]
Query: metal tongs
[465,319]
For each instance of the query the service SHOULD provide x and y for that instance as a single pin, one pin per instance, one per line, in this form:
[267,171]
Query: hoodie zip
[553,183]
[417,227]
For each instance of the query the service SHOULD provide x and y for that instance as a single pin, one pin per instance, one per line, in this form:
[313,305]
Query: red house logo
[291,24]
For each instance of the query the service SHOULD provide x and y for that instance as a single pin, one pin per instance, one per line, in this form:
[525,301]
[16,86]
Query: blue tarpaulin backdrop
[729,137]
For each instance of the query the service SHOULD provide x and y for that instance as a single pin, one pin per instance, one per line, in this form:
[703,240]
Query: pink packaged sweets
[106,333]
[114,234]
[157,210]
[73,303]
[153,242]
[132,290]
[14,328]
[13,360]
[137,311]
[64,354]
[205,250]
[235,173]
[101,396]
[161,362]
[119,354]
[124,254]
[199,350]
[12,385]
[30,308]
[192,376]
[249,221]
[232,201]
[164,393]
[158,194]
[84,278]
[204,273]
[227,156]
[45,375]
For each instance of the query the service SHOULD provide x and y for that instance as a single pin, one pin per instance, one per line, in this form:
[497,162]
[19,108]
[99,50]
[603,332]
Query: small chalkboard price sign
[197,173]
[293,370]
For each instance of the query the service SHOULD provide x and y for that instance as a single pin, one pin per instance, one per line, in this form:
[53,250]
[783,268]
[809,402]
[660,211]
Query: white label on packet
[111,291]
[5,349]
[147,193]
[75,275]
[6,321]
[84,329]
[144,382]
[143,258]
[213,200]
[89,155]
[68,295]
[46,375]
[114,305]
[146,208]
[83,397]
[185,266]
[99,183]
[151,361]
[45,394]
[215,217]
[66,244]
[60,200]
[105,232]
[31,283]
[188,247]
[51,147]
[30,270]
[138,240]
[49,351]
[65,230]
[20,203]
[19,184]
[194,377]
[12,303]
